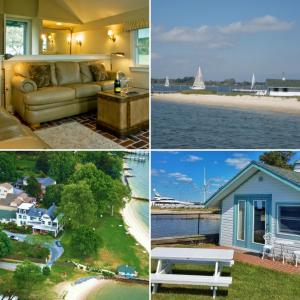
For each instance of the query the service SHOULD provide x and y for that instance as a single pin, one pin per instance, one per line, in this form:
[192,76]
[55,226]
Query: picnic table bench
[168,256]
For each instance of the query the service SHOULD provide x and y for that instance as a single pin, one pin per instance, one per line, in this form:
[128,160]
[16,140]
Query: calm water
[121,291]
[6,214]
[140,186]
[197,126]
[174,225]
[176,88]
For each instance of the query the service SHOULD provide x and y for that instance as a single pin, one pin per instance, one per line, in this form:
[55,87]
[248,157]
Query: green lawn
[26,166]
[116,248]
[249,283]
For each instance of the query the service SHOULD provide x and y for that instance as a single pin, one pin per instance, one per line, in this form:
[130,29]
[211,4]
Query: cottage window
[285,89]
[289,219]
[141,45]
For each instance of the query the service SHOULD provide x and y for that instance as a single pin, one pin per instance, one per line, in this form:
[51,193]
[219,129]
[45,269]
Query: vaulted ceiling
[91,10]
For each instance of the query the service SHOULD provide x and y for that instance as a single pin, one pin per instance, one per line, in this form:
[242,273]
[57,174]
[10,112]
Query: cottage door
[252,220]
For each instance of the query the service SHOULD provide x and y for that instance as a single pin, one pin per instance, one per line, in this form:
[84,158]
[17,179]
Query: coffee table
[123,114]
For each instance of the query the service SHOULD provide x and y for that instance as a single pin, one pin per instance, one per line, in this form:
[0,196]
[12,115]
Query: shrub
[46,271]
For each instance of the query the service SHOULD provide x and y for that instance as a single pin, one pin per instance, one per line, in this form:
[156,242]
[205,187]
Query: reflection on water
[117,291]
[196,126]
[174,225]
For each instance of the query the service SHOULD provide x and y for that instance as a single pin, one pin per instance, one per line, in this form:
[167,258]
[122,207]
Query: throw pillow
[40,74]
[99,72]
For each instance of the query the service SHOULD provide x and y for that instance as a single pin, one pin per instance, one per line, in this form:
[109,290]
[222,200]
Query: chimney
[297,166]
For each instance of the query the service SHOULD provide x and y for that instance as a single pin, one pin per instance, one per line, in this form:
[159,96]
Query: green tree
[8,171]
[111,164]
[107,192]
[46,271]
[53,195]
[42,163]
[279,159]
[5,244]
[33,188]
[84,241]
[78,205]
[61,165]
[26,278]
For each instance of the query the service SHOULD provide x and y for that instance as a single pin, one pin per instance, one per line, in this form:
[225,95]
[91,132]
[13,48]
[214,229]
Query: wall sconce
[51,39]
[79,40]
[111,35]
[69,39]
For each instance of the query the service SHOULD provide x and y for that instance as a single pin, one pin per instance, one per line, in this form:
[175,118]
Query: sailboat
[253,82]
[167,83]
[199,82]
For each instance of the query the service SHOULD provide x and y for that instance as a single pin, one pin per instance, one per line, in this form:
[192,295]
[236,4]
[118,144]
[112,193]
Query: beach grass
[116,247]
[249,283]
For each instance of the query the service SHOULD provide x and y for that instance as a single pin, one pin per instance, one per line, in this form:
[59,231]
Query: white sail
[199,82]
[167,83]
[253,82]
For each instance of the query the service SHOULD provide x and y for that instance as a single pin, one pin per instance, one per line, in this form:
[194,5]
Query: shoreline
[246,102]
[71,291]
[135,225]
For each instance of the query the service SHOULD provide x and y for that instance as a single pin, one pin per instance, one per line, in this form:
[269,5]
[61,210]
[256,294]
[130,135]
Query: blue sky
[228,39]
[180,174]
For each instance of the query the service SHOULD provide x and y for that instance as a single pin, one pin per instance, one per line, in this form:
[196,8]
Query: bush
[13,227]
[46,271]
[5,244]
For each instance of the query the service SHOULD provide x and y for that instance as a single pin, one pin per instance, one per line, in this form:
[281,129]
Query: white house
[260,199]
[5,189]
[283,87]
[40,219]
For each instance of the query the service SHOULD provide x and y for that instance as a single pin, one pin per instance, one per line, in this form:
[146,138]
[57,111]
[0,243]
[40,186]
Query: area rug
[73,135]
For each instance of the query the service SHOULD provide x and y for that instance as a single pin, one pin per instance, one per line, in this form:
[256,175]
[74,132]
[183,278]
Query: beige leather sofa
[14,135]
[72,91]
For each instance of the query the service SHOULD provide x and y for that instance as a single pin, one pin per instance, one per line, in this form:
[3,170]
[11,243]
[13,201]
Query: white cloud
[157,172]
[192,158]
[221,37]
[238,161]
[181,177]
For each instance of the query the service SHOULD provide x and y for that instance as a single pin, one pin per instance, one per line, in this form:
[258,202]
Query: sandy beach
[71,291]
[245,102]
[136,227]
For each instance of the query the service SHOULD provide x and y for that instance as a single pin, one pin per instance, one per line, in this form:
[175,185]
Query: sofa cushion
[99,72]
[23,70]
[67,72]
[85,90]
[49,95]
[85,72]
[40,74]
[105,84]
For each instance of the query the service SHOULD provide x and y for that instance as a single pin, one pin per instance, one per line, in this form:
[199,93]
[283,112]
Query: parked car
[15,238]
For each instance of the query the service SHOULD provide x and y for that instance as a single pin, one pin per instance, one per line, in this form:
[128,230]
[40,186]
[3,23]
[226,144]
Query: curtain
[136,24]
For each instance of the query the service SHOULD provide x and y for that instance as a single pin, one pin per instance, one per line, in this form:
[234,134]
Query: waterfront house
[127,271]
[43,181]
[260,199]
[283,87]
[40,219]
[5,189]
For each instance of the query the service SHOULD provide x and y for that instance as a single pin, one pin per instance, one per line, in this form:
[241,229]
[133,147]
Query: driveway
[21,236]
[56,249]
[12,266]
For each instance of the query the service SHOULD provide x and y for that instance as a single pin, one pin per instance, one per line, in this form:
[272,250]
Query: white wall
[280,193]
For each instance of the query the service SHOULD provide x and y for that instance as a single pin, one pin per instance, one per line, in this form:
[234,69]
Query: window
[142,47]
[241,221]
[17,37]
[289,219]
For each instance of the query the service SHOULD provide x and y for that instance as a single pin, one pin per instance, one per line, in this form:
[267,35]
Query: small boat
[167,82]
[253,82]
[199,82]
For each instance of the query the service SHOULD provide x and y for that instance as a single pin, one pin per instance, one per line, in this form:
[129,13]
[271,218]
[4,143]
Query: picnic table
[167,256]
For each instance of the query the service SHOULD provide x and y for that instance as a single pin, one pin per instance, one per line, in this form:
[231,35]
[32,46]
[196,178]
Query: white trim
[238,223]
[277,227]
[68,57]
[253,206]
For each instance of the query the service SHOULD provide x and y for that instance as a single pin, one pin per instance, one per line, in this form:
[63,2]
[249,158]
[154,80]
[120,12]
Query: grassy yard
[116,248]
[26,165]
[249,282]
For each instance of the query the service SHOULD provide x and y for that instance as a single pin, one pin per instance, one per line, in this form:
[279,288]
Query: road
[21,237]
[12,266]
